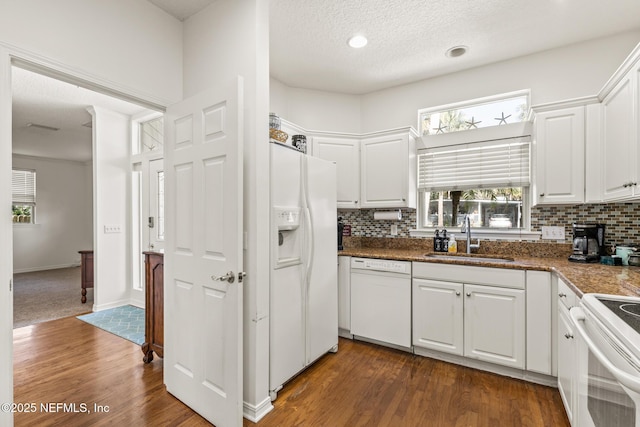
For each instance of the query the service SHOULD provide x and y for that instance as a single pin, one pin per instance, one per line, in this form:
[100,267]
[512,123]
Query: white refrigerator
[303,308]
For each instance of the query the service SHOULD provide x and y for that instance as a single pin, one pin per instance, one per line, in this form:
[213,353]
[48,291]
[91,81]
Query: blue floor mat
[126,322]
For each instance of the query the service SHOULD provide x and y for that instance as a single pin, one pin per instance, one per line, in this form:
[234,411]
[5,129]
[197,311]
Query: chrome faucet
[466,228]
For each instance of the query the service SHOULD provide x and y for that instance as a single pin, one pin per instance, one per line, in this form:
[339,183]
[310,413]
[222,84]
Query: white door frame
[9,56]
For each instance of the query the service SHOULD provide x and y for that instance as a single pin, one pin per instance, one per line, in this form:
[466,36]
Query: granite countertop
[583,278]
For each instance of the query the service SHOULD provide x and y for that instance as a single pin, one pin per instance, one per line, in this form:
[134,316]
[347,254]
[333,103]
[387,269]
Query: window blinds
[491,164]
[23,183]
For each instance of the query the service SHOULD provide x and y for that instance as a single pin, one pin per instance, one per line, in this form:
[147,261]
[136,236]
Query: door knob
[229,277]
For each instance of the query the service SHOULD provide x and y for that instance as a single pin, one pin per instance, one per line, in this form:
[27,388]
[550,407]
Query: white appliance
[381,300]
[304,263]
[608,345]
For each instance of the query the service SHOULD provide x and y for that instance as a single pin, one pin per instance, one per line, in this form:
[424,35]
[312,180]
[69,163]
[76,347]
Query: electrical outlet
[394,230]
[553,233]
[109,229]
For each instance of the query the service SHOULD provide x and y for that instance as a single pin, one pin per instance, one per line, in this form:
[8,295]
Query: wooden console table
[154,306]
[86,269]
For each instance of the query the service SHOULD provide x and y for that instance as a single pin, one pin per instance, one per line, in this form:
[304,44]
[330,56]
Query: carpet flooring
[41,296]
[126,322]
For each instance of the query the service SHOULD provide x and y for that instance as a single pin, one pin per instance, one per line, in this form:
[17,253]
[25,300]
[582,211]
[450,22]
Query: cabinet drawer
[501,277]
[566,296]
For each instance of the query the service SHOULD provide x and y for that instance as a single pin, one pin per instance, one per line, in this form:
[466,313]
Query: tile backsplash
[622,221]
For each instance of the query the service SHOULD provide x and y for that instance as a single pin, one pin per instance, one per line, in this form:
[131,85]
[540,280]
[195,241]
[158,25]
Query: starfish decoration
[502,120]
[440,128]
[473,123]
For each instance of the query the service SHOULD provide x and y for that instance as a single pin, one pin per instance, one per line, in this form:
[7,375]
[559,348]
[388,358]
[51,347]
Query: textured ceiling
[46,101]
[182,9]
[408,38]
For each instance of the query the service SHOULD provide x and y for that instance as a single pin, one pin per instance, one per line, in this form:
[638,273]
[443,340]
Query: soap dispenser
[453,245]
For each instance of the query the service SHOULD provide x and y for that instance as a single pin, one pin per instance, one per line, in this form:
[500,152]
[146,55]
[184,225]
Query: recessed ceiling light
[357,41]
[456,51]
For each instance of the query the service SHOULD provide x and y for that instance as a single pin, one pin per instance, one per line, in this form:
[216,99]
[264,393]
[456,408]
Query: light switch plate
[553,233]
[108,229]
[394,230]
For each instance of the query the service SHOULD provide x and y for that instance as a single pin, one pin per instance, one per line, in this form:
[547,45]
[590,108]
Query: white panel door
[559,156]
[384,169]
[203,312]
[438,315]
[346,154]
[619,144]
[494,326]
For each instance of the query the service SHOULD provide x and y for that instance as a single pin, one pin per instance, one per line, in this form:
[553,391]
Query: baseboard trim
[48,267]
[110,305]
[255,413]
[519,374]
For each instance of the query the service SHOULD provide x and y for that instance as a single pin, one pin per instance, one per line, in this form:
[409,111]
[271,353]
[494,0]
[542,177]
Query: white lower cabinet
[494,329]
[437,315]
[483,321]
[567,352]
[344,296]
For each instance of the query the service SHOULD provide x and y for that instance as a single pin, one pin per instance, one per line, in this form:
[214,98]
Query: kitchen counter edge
[582,278]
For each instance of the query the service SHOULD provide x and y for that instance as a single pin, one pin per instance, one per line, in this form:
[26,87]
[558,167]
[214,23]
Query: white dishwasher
[381,300]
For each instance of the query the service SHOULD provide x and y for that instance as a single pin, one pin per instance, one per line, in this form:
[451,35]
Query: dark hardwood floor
[67,361]
[368,385]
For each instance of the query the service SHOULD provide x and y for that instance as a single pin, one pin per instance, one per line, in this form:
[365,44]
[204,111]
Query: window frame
[473,103]
[510,130]
[33,204]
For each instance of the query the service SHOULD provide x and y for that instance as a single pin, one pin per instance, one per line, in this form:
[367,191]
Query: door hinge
[241,276]
[10,285]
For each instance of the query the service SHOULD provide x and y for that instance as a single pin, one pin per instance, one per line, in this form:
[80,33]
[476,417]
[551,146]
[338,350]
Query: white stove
[620,315]
[608,361]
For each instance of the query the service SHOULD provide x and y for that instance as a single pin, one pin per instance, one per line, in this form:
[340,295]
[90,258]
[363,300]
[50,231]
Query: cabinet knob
[404,200]
[625,185]
[458,293]
[355,202]
[568,336]
[562,295]
[541,194]
[468,294]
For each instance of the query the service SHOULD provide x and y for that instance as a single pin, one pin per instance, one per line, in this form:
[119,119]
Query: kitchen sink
[468,258]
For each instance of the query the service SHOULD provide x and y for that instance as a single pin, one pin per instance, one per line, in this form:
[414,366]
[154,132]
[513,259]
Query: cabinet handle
[404,200]
[468,294]
[568,336]
[562,295]
[625,185]
[355,202]
[541,194]
[458,293]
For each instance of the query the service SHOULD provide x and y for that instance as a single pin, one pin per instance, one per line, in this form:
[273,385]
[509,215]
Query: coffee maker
[588,242]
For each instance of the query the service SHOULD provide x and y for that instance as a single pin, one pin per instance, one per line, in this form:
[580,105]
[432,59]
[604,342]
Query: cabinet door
[344,294]
[494,327]
[566,361]
[385,171]
[559,156]
[345,153]
[437,315]
[619,136]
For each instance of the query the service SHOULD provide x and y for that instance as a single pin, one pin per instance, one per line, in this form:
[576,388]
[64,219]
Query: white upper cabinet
[388,169]
[345,152]
[620,132]
[559,156]
[619,128]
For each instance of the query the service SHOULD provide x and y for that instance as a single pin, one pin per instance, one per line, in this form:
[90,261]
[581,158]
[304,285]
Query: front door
[203,253]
